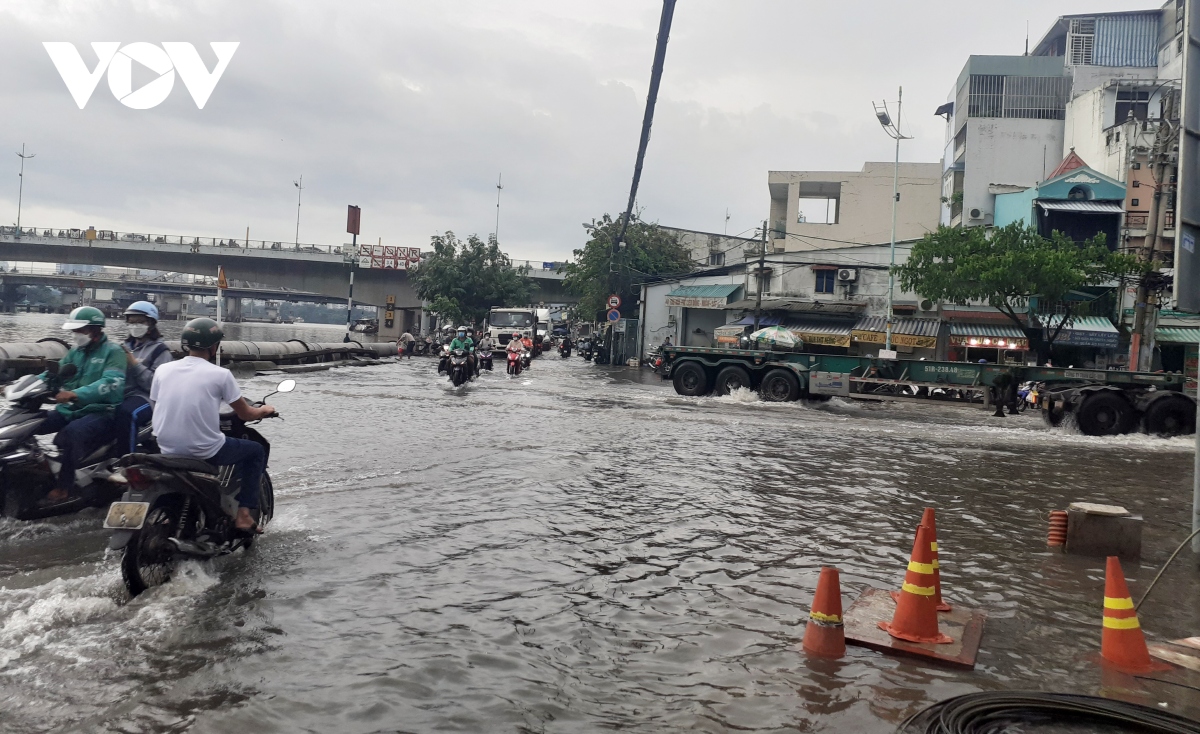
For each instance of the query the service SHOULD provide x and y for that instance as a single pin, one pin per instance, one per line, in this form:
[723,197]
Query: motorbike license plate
[126,515]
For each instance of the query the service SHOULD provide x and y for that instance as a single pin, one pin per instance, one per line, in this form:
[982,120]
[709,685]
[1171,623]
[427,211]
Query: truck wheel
[730,379]
[1171,417]
[779,386]
[690,380]
[1052,413]
[1104,414]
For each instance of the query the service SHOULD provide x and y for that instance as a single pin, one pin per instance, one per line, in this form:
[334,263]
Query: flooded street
[577,550]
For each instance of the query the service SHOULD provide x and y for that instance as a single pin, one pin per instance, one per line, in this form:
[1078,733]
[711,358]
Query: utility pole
[299,192]
[762,263]
[499,188]
[1145,311]
[21,186]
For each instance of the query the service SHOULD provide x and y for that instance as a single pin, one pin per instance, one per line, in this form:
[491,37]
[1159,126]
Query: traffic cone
[1121,640]
[824,634]
[928,520]
[916,619]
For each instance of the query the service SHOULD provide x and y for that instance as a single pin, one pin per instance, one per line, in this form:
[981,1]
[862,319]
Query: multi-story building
[813,210]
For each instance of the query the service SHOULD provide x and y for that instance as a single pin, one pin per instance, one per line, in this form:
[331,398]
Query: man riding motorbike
[145,351]
[187,396]
[464,342]
[82,418]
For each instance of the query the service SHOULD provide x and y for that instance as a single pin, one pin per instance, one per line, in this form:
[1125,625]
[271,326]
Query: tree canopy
[649,251]
[463,280]
[1010,265]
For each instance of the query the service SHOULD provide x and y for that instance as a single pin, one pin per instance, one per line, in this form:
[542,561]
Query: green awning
[1177,335]
[703,296]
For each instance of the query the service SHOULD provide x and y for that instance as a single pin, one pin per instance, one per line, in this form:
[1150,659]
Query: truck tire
[1171,416]
[1052,412]
[1104,413]
[690,380]
[779,386]
[731,378]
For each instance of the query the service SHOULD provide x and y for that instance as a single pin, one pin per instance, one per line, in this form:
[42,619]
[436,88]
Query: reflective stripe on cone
[916,619]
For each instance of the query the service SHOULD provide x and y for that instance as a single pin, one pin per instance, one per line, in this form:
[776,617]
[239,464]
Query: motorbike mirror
[68,372]
[286,386]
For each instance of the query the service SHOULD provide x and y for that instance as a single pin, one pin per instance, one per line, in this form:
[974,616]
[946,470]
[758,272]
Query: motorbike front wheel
[150,558]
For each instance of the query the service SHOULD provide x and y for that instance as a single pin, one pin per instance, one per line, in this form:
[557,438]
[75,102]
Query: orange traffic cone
[929,521]
[824,635]
[1121,641]
[915,619]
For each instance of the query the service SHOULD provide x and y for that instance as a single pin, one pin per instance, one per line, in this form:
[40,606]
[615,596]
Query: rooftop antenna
[499,188]
[726,220]
[1026,38]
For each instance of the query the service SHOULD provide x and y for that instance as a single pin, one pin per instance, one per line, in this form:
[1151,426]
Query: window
[1136,183]
[825,280]
[1133,202]
[1131,101]
[1081,41]
[716,259]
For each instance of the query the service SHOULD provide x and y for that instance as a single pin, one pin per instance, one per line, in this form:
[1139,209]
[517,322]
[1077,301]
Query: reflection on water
[570,552]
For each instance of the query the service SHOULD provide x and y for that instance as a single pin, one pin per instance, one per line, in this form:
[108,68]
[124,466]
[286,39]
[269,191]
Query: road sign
[614,314]
[353,218]
[221,282]
[614,301]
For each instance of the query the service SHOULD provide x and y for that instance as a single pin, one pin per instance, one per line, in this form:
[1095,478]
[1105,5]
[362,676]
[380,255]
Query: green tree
[463,280]
[1008,267]
[595,273]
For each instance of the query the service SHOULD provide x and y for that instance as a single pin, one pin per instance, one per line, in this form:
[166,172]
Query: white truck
[503,322]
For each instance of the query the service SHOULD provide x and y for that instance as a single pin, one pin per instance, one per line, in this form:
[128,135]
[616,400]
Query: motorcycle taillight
[139,478]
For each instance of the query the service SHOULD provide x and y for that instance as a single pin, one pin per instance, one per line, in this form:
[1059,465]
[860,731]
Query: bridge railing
[107,235]
[539,265]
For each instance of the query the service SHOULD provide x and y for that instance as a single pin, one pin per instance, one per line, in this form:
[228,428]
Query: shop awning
[796,305]
[1083,331]
[702,296]
[1072,205]
[764,320]
[905,332]
[991,336]
[1177,335]
[826,333]
[729,333]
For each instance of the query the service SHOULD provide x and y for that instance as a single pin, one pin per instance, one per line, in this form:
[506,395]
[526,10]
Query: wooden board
[1179,652]
[964,625]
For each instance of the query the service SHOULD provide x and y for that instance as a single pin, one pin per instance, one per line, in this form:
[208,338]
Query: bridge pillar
[170,307]
[232,309]
[9,297]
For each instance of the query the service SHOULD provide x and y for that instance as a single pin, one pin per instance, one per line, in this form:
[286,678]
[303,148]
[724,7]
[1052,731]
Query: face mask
[82,340]
[137,331]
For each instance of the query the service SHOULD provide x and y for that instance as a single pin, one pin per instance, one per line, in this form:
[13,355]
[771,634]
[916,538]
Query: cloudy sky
[411,110]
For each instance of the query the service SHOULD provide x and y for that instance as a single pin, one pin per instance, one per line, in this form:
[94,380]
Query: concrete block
[1093,534]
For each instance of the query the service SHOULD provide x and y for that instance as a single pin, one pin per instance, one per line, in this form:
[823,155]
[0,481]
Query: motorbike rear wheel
[266,506]
[150,557]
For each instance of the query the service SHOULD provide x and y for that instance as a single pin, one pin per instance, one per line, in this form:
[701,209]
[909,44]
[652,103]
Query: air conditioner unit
[847,275]
[926,305]
[975,214]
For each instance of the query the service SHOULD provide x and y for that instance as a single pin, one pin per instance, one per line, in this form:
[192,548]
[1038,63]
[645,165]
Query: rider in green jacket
[82,418]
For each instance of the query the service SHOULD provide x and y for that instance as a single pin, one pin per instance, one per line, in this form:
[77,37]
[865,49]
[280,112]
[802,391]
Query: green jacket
[465,343]
[99,385]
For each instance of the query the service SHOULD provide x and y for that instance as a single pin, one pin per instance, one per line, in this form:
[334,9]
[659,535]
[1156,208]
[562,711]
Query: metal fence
[625,342]
[107,235]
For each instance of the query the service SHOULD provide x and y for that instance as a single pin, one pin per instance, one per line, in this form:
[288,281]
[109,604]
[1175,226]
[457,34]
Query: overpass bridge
[308,268]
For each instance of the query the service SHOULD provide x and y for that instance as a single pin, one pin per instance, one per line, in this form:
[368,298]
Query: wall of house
[1016,207]
[864,205]
[1006,151]
[660,320]
[702,244]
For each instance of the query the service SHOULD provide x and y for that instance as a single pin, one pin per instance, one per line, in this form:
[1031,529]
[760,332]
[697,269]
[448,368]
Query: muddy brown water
[581,550]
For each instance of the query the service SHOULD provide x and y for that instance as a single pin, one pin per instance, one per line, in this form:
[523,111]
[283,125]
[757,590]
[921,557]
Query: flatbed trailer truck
[1102,402]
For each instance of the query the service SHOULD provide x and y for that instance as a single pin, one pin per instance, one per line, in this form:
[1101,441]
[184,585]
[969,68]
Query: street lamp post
[892,128]
[21,186]
[299,191]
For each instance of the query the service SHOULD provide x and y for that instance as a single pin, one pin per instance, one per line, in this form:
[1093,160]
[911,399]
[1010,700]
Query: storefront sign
[697,302]
[903,340]
[987,342]
[1069,338]
[829,340]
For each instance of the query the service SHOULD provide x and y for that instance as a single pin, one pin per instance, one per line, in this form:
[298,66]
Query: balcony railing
[1141,219]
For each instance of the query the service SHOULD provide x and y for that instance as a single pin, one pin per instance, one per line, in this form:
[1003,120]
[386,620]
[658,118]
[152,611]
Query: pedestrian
[666,342]
[406,344]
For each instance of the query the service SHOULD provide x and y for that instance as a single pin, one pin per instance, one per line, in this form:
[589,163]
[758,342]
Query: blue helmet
[142,308]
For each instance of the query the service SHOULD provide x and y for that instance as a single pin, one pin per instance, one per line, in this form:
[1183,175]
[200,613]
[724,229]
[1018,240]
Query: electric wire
[993,712]
[1158,575]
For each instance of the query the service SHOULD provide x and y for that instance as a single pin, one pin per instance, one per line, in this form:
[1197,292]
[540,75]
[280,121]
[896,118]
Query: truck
[503,322]
[1101,402]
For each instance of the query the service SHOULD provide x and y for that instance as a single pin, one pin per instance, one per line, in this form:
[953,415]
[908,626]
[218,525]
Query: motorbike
[444,359]
[585,350]
[515,363]
[1027,395]
[564,350]
[459,368]
[27,472]
[526,359]
[176,507]
[485,359]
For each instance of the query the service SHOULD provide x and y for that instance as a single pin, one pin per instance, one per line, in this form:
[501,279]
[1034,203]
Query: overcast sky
[411,110]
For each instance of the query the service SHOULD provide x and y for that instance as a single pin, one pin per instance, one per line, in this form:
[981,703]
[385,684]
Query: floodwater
[581,550]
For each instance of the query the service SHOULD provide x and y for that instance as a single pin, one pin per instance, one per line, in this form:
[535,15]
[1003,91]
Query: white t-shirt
[187,395]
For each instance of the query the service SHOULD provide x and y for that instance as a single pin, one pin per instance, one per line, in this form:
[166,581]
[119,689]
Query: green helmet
[84,316]
[201,334]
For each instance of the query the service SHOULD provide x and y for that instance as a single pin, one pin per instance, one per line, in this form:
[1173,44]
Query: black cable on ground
[993,712]
[1164,568]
